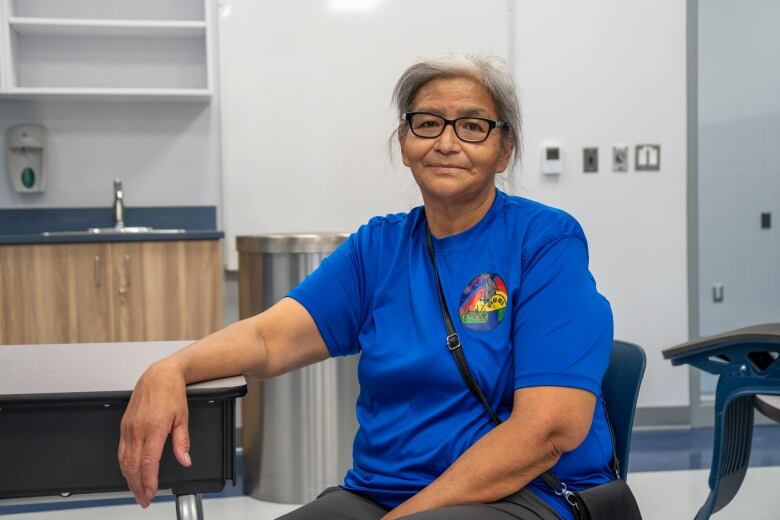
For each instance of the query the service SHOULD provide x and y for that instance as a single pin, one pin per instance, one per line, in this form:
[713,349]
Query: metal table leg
[189,507]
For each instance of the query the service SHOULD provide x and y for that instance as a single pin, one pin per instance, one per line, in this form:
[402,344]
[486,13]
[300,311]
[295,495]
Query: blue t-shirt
[527,311]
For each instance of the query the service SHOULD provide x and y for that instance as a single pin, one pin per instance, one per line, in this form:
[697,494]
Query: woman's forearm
[546,422]
[269,344]
[236,349]
[499,464]
[280,339]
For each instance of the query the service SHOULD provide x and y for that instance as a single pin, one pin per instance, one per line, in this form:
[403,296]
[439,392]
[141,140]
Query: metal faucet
[119,205]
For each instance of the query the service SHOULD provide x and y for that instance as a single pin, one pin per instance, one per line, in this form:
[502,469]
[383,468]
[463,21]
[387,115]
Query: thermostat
[552,161]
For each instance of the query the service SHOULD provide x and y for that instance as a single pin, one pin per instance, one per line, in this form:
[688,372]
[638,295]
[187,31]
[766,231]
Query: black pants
[337,504]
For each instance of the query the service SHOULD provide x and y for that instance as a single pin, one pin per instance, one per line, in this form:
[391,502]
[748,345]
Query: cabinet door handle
[127,270]
[97,272]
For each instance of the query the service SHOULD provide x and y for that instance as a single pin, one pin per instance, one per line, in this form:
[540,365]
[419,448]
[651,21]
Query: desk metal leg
[189,507]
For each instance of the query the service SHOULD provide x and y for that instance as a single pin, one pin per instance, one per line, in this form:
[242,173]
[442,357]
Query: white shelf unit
[107,48]
[115,28]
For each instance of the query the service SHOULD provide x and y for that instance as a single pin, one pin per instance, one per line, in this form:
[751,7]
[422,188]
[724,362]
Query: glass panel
[738,166]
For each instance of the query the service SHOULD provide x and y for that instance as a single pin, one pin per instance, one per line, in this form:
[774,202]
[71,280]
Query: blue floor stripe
[666,450]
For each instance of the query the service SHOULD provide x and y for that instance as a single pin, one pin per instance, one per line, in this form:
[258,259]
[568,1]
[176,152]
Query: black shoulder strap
[455,347]
[453,340]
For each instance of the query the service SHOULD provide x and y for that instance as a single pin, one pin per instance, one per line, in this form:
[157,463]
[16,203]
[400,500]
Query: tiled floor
[662,495]
[665,476]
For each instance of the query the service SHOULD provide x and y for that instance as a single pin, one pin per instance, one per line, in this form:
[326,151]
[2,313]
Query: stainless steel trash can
[297,429]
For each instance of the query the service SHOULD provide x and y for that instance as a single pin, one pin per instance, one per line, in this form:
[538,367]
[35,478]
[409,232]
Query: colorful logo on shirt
[483,302]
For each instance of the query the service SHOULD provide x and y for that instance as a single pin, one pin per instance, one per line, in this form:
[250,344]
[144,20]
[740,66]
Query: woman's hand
[157,407]
[274,342]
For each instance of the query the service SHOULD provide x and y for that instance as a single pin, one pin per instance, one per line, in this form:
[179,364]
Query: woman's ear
[402,133]
[505,157]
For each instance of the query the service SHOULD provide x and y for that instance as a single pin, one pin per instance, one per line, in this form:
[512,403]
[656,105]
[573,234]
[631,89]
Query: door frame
[701,414]
[702,411]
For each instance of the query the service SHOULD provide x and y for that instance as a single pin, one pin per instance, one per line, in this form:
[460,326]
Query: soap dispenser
[25,145]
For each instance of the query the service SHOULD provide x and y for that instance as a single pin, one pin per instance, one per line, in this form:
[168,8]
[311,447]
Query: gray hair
[491,72]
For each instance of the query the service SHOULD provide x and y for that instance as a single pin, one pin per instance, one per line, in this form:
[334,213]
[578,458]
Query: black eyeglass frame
[407,117]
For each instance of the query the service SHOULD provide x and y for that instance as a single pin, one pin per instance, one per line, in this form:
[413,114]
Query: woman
[514,275]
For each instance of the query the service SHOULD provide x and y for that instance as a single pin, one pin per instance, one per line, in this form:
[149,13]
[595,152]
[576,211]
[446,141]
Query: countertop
[29,225]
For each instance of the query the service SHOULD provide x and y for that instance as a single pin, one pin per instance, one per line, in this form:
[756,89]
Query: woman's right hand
[274,342]
[157,407]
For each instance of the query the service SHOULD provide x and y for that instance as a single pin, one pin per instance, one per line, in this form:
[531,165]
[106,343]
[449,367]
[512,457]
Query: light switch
[590,160]
[766,220]
[648,157]
[717,292]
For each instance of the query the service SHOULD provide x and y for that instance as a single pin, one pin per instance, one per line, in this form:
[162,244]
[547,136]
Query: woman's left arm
[546,422]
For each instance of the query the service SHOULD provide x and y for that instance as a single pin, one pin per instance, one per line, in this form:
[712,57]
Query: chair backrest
[620,389]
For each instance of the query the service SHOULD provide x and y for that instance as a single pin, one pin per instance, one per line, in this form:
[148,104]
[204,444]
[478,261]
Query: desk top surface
[769,405]
[88,369]
[764,333]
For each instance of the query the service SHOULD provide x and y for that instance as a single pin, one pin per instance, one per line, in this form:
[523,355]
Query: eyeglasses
[468,129]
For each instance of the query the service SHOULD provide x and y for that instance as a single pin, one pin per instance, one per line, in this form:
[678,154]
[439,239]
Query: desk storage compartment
[71,447]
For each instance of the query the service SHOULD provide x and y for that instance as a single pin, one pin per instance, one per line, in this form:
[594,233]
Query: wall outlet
[648,157]
[619,157]
[590,160]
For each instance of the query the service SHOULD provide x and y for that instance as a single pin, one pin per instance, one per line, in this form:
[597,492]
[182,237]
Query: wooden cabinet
[167,290]
[119,291]
[56,293]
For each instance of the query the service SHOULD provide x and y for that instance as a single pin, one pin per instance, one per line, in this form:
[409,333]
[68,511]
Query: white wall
[593,73]
[307,115]
[166,153]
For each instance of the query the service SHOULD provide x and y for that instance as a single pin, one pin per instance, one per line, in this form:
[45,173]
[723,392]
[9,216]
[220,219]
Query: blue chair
[746,361]
[620,388]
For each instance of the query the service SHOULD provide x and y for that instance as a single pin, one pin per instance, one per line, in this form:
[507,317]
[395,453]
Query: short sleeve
[333,296]
[562,327]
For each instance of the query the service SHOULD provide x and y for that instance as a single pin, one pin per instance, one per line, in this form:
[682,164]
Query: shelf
[109,62]
[118,49]
[193,10]
[113,93]
[94,27]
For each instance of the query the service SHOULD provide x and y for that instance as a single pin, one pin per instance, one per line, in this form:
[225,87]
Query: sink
[131,230]
[128,230]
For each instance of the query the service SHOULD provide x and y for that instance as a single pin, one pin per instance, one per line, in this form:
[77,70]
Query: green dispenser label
[28,177]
